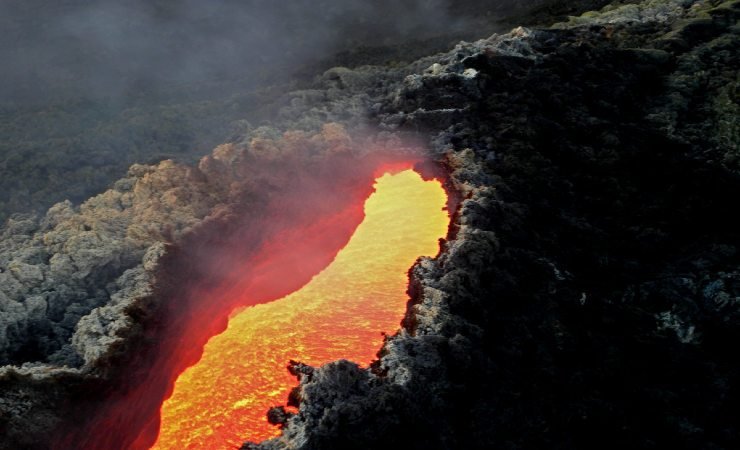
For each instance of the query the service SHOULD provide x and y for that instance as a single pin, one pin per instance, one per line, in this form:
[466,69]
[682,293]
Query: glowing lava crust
[341,313]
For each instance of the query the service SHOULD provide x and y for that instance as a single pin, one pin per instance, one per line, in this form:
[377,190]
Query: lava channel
[341,313]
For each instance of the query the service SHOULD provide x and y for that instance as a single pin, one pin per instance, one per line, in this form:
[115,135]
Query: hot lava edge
[245,209]
[500,349]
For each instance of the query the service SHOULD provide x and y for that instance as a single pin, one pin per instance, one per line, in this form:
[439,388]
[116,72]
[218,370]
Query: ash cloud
[88,88]
[112,48]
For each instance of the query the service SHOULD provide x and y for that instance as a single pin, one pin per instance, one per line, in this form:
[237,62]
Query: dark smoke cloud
[110,47]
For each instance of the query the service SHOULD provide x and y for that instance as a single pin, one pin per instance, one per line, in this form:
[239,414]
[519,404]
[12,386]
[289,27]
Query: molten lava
[341,313]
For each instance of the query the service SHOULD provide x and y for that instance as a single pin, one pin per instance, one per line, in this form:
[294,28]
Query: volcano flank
[339,314]
[524,241]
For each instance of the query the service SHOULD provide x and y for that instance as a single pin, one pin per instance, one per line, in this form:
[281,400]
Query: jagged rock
[587,297]
[83,286]
[278,416]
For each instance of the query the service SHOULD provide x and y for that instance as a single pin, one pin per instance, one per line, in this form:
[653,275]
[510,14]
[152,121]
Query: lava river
[341,313]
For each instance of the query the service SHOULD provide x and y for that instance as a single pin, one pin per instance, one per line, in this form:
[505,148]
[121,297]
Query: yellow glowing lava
[223,399]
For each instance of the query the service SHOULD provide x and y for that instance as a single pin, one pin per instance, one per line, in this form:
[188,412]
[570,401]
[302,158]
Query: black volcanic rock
[90,295]
[278,415]
[588,296]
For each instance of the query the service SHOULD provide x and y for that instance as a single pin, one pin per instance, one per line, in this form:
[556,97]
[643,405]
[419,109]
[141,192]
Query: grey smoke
[108,47]
[89,87]
[115,49]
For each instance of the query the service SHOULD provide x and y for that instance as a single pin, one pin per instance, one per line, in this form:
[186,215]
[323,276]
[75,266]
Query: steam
[89,87]
[110,48]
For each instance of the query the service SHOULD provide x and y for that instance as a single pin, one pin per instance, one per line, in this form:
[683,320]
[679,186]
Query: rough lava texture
[589,293]
[81,288]
[57,270]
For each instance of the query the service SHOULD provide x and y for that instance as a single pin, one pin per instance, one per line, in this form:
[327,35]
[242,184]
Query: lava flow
[341,313]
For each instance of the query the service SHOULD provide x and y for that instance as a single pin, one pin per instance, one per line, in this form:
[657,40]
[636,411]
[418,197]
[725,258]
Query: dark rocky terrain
[588,295]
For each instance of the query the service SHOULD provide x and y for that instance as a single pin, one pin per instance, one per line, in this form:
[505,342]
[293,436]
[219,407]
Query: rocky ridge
[588,295]
[592,249]
[81,287]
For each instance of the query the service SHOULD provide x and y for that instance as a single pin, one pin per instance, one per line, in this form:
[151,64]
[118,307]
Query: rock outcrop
[588,295]
[84,290]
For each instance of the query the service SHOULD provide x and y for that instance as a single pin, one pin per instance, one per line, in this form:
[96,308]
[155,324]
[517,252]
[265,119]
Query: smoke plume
[111,48]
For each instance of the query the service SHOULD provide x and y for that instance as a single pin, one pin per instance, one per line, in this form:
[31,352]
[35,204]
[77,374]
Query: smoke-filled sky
[89,87]
[109,46]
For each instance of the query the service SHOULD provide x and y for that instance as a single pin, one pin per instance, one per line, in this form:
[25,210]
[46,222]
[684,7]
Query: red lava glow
[341,313]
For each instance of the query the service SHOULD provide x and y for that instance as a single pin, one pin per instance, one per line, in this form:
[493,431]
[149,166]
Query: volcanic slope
[588,297]
[343,312]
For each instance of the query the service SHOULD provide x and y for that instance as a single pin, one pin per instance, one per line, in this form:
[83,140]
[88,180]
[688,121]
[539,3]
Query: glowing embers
[222,400]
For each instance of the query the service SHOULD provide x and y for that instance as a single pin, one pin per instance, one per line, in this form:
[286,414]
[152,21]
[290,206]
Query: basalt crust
[587,296]
[95,289]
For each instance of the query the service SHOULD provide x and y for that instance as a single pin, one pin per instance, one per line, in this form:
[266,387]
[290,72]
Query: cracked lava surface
[340,314]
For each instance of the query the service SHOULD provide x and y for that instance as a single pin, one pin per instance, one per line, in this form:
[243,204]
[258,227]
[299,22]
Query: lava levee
[341,313]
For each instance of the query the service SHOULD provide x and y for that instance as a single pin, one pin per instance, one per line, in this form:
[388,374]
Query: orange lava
[341,313]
